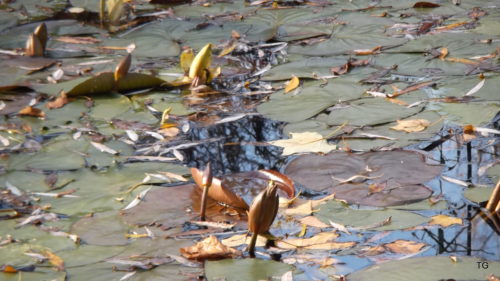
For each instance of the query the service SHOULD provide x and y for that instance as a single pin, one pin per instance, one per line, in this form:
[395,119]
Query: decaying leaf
[292,84]
[59,102]
[243,239]
[411,125]
[55,260]
[137,199]
[319,241]
[445,221]
[304,142]
[404,246]
[32,111]
[209,248]
[103,148]
[366,52]
[308,207]
[476,88]
[443,53]
[313,221]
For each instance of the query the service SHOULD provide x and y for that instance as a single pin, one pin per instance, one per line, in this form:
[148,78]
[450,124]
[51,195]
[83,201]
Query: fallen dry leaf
[443,53]
[209,248]
[445,221]
[304,142]
[321,241]
[243,239]
[404,246]
[411,125]
[55,260]
[31,111]
[425,5]
[308,207]
[313,221]
[59,102]
[292,84]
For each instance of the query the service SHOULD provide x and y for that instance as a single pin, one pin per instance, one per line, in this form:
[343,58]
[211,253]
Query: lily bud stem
[251,247]
[204,198]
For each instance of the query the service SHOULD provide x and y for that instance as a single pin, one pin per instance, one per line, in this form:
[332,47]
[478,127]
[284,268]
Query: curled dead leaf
[32,111]
[59,102]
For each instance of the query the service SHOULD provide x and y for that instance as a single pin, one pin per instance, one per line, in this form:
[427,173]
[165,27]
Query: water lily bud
[122,68]
[42,35]
[34,47]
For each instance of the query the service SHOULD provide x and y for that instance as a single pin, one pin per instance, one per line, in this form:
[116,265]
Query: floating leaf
[476,88]
[59,102]
[411,125]
[443,53]
[320,241]
[103,148]
[245,269]
[292,84]
[55,260]
[209,248]
[445,221]
[243,239]
[32,111]
[404,246]
[313,221]
[304,142]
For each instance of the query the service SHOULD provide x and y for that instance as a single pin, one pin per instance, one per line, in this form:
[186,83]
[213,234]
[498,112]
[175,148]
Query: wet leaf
[319,241]
[59,102]
[445,221]
[424,269]
[208,249]
[32,111]
[55,260]
[404,247]
[292,84]
[411,125]
[304,142]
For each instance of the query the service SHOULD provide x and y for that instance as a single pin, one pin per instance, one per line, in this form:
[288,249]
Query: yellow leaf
[411,125]
[307,207]
[227,50]
[321,241]
[137,235]
[201,62]
[444,220]
[292,84]
[444,53]
[187,57]
[313,221]
[116,8]
[304,142]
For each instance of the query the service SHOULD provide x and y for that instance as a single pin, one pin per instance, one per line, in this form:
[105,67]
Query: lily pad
[478,194]
[245,269]
[428,269]
[103,229]
[375,178]
[371,219]
[165,206]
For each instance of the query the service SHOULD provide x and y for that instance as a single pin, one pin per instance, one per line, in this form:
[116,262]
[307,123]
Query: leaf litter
[375,180]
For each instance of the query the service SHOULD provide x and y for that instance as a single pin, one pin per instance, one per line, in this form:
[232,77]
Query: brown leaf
[366,52]
[292,84]
[242,239]
[444,53]
[59,102]
[445,221]
[313,221]
[425,5]
[31,111]
[283,181]
[55,260]
[411,88]
[208,249]
[411,125]
[404,246]
[8,269]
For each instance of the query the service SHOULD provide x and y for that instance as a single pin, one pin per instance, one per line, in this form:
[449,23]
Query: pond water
[392,106]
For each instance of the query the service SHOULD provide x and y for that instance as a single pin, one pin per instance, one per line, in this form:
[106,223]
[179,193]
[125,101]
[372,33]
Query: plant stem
[204,198]
[251,247]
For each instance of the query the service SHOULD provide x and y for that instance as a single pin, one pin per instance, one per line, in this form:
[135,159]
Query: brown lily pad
[387,178]
[165,206]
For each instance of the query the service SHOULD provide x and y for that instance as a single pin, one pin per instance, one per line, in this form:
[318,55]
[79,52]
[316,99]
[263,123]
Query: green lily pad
[103,229]
[469,113]
[478,194]
[367,112]
[334,211]
[245,269]
[88,254]
[428,269]
[311,100]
